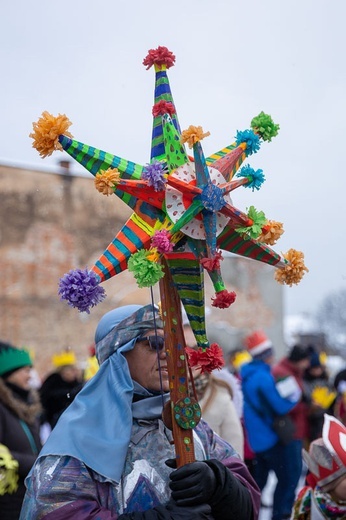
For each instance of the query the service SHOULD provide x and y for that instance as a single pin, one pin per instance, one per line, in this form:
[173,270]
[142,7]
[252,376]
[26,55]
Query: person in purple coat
[110,455]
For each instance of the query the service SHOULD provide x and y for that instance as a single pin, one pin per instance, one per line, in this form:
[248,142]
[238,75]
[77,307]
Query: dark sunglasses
[156,343]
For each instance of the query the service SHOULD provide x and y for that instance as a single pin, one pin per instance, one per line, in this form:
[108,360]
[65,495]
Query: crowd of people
[286,404]
[95,445]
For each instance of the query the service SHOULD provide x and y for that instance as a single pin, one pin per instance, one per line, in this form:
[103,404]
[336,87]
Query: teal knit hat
[12,358]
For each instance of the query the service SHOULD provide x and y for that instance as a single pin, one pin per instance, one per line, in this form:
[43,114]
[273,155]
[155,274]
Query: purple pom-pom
[81,289]
[154,174]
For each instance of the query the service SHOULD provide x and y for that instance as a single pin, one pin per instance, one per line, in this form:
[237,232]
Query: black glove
[193,484]
[171,512]
[210,481]
[198,512]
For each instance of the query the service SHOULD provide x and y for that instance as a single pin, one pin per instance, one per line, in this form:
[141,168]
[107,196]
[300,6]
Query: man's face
[303,364]
[69,373]
[270,360]
[316,371]
[21,378]
[146,363]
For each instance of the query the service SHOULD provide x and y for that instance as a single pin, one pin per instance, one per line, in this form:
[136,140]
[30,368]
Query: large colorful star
[182,208]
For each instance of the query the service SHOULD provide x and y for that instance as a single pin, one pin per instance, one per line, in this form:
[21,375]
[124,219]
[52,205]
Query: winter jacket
[219,411]
[234,382]
[299,413]
[56,395]
[19,432]
[262,402]
[72,491]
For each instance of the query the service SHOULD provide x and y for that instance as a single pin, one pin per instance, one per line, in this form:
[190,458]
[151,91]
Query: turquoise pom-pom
[255,177]
[251,140]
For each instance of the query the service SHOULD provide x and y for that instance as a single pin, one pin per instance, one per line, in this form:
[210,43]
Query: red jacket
[299,413]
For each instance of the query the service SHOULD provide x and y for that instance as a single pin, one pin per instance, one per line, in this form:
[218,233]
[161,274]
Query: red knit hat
[257,343]
[326,459]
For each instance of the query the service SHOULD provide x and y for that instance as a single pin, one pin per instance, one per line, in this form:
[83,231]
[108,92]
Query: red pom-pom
[224,299]
[159,56]
[163,107]
[207,359]
[211,264]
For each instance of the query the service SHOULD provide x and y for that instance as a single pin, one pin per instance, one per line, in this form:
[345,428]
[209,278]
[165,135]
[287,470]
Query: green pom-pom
[146,272]
[258,218]
[264,126]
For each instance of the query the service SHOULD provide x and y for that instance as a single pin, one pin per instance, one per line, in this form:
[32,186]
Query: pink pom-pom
[224,299]
[159,56]
[161,240]
[163,107]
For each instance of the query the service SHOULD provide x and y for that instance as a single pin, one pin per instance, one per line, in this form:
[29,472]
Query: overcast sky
[233,59]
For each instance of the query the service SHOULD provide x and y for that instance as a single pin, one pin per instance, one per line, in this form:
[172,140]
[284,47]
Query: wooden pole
[184,411]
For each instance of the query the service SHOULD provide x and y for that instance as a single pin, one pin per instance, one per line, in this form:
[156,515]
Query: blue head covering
[96,427]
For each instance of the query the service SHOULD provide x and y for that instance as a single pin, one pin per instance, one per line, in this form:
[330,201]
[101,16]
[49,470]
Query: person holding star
[110,456]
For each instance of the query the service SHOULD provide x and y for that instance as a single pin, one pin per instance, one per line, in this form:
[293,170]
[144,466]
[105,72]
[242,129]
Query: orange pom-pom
[294,271]
[106,180]
[193,134]
[271,232]
[47,131]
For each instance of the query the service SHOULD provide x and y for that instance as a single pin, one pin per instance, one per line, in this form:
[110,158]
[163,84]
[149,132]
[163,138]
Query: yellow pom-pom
[323,358]
[106,180]
[46,133]
[192,135]
[323,397]
[294,271]
[271,232]
[8,471]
